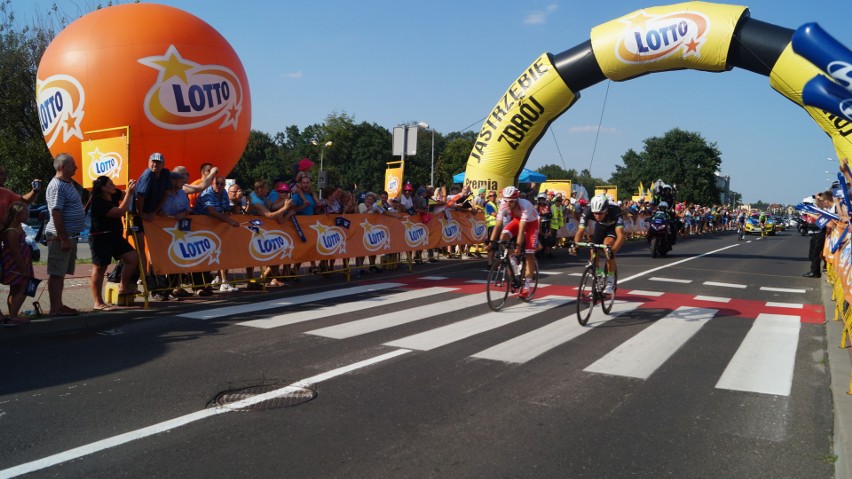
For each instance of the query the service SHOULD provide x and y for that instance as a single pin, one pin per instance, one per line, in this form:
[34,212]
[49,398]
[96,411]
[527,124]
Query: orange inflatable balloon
[168,75]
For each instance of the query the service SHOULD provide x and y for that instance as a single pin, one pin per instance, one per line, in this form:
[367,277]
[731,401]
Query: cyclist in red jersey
[518,218]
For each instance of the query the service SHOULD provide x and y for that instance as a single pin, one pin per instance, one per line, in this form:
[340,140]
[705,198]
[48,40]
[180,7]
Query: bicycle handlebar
[607,249]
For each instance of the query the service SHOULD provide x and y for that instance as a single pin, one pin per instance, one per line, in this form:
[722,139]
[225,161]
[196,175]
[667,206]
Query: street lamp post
[425,126]
[322,149]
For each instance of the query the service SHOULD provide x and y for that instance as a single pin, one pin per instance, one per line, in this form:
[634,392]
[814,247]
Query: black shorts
[105,247]
[602,232]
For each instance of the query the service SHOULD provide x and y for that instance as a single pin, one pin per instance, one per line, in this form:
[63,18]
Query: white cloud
[539,17]
[295,75]
[593,129]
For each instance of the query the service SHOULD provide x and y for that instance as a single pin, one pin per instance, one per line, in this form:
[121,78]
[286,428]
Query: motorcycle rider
[609,230]
[666,214]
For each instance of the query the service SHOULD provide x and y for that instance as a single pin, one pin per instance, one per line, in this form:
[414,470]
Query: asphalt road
[714,368]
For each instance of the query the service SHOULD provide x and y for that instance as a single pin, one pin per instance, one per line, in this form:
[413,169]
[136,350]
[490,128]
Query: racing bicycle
[504,279]
[741,234]
[593,282]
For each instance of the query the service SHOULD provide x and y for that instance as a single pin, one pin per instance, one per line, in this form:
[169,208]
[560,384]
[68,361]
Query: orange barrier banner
[209,244]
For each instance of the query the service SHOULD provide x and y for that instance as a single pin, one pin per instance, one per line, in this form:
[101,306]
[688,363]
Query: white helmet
[511,193]
[663,205]
[598,203]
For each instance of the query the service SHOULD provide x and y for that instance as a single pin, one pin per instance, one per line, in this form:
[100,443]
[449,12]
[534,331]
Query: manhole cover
[263,397]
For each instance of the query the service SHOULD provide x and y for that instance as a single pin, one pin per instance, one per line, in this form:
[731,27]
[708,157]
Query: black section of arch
[757,45]
[578,67]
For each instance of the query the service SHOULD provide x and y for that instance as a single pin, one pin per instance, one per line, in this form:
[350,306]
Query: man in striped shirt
[67,220]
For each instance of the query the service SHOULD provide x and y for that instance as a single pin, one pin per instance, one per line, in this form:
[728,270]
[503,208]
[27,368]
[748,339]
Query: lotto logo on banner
[649,38]
[187,95]
[478,229]
[375,237]
[416,234]
[193,248]
[266,245]
[450,230]
[331,240]
[60,108]
[105,157]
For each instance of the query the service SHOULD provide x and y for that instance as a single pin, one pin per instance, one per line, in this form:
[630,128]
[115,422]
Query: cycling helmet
[511,193]
[598,203]
[663,205]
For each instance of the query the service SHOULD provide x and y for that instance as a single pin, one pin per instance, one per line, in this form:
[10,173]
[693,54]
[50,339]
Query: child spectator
[16,259]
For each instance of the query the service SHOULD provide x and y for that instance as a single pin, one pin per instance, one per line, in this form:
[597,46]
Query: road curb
[840,365]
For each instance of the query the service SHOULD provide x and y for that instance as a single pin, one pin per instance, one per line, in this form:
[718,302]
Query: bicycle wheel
[586,296]
[499,282]
[533,283]
[608,300]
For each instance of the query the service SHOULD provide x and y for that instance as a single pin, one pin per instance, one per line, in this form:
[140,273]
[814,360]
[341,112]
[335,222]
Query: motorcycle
[658,237]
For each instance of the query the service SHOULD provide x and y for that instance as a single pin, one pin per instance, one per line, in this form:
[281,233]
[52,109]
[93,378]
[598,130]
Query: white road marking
[433,278]
[549,273]
[783,290]
[477,281]
[357,304]
[670,280]
[177,422]
[715,299]
[463,329]
[725,285]
[764,361]
[785,305]
[396,318]
[535,343]
[639,292]
[214,313]
[658,268]
[641,355]
[575,274]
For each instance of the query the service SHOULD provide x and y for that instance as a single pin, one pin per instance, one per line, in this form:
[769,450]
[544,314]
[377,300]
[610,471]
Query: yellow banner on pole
[557,187]
[611,191]
[393,178]
[105,157]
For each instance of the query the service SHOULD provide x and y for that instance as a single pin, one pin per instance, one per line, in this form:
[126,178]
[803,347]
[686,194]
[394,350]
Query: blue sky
[447,63]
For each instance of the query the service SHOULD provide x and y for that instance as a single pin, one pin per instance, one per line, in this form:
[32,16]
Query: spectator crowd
[172,193]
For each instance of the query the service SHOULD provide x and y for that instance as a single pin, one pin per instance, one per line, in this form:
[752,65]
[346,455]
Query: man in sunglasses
[609,230]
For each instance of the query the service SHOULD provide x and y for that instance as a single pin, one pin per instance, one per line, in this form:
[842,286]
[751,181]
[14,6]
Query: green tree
[23,151]
[680,158]
[262,158]
[556,172]
[453,157]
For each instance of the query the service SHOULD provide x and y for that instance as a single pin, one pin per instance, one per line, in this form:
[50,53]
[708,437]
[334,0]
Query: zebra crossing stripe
[783,290]
[214,313]
[639,292]
[765,359]
[785,305]
[670,280]
[357,304]
[470,327]
[535,343]
[642,354]
[396,318]
[725,285]
[714,299]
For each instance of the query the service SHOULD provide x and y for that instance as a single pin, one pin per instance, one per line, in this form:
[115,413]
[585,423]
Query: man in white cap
[150,189]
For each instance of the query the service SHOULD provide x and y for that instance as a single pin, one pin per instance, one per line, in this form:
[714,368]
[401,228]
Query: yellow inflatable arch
[806,65]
